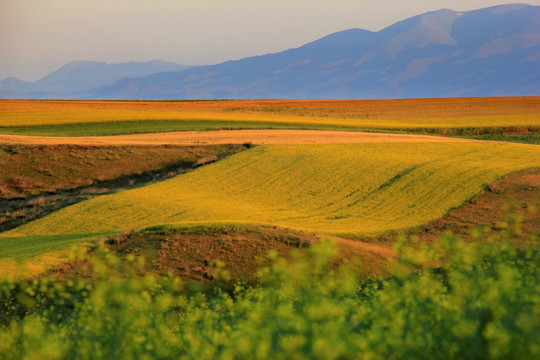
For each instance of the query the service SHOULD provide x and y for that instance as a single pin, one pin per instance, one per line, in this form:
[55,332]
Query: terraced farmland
[346,189]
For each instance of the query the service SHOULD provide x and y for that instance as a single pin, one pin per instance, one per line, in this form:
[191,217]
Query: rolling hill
[347,189]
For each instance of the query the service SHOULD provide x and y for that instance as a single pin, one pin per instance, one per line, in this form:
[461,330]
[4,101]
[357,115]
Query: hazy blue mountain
[77,77]
[14,84]
[492,51]
[487,52]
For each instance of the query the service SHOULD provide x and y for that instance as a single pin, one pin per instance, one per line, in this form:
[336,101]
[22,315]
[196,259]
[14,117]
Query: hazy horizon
[38,37]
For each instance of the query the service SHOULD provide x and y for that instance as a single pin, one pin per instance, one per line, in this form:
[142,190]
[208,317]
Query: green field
[531,138]
[335,188]
[20,249]
[151,126]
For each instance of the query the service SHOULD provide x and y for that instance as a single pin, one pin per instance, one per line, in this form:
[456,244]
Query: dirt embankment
[259,137]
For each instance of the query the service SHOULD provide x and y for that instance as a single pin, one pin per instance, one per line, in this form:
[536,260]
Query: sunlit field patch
[346,189]
[73,118]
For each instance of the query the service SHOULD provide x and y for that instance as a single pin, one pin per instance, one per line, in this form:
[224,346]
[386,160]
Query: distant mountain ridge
[488,52]
[77,77]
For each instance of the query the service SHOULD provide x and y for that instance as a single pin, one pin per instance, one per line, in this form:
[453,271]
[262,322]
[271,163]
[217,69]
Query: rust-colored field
[394,108]
[259,137]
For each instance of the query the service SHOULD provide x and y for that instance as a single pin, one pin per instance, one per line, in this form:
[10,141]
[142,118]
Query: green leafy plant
[450,300]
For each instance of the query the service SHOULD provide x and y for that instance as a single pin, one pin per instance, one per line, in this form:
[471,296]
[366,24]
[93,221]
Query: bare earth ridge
[259,137]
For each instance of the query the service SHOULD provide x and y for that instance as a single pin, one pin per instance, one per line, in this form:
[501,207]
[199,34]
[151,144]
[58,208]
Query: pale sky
[39,36]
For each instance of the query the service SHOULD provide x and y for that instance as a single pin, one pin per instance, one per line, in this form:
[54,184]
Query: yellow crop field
[375,114]
[347,189]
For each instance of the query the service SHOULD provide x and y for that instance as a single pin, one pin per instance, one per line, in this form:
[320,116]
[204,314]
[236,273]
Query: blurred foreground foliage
[453,299]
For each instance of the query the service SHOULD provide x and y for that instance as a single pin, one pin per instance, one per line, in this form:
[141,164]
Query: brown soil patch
[36,180]
[260,137]
[195,255]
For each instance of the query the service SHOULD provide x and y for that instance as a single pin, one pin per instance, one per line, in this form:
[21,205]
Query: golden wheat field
[346,189]
[376,114]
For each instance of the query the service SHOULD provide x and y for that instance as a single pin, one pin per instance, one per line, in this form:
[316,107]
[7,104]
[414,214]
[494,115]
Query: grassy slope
[335,188]
[467,116]
[20,249]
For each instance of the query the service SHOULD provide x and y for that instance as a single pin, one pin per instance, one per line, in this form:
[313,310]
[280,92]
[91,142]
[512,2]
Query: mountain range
[488,52]
[78,77]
